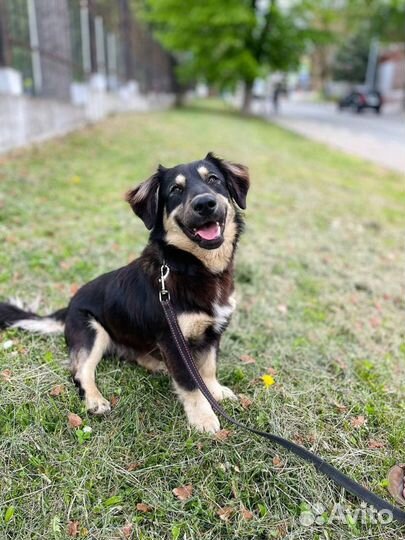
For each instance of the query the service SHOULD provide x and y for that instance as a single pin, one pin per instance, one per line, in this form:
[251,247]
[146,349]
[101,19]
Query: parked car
[359,100]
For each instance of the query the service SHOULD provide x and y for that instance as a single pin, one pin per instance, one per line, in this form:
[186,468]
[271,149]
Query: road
[378,138]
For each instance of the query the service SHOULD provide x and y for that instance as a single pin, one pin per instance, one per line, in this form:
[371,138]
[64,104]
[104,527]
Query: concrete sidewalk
[378,138]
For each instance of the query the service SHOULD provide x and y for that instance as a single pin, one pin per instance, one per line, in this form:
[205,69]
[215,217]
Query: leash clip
[164,294]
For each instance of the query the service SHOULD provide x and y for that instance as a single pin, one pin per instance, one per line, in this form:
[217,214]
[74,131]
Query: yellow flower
[268,380]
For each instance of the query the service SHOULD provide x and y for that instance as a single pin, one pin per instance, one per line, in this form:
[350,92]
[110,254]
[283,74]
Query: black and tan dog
[193,213]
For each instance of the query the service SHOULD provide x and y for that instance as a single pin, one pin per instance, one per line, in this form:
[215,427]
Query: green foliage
[351,59]
[225,41]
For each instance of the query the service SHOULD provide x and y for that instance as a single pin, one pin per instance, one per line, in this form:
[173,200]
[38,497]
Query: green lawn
[321,301]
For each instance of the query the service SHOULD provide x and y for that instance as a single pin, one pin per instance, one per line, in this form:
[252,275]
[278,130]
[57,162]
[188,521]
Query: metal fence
[53,43]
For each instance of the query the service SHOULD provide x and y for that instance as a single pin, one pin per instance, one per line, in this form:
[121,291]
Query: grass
[321,301]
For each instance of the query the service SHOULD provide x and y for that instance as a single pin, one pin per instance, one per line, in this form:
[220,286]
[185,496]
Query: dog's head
[193,203]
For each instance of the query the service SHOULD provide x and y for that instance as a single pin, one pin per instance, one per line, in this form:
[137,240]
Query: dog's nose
[204,204]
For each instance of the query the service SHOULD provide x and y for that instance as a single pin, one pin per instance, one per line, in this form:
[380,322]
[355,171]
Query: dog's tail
[14,315]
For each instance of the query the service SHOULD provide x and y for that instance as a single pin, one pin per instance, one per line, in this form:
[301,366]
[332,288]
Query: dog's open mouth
[208,235]
[209,231]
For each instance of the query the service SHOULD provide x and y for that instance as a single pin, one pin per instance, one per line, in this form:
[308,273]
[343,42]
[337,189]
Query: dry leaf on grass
[74,420]
[143,507]
[245,401]
[277,462]
[6,375]
[341,363]
[133,466]
[375,322]
[247,514]
[73,529]
[358,421]
[183,493]
[223,434]
[271,371]
[127,530]
[65,265]
[396,483]
[373,443]
[74,288]
[225,513]
[247,359]
[114,401]
[57,390]
[341,408]
[282,308]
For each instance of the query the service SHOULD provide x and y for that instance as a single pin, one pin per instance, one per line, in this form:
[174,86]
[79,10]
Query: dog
[193,213]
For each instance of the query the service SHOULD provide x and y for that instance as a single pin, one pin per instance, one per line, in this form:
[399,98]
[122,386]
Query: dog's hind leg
[87,347]
[151,363]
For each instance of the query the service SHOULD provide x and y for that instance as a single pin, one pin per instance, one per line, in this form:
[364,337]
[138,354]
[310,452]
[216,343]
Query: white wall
[25,120]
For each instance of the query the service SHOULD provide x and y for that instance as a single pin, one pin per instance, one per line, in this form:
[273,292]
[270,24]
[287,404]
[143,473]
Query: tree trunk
[247,96]
[180,97]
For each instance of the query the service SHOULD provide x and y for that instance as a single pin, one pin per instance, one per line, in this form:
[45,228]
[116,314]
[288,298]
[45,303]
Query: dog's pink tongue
[209,231]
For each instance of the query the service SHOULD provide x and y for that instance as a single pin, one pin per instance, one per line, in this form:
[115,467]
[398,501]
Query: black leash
[337,476]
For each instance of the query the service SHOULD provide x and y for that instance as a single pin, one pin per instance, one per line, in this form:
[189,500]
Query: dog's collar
[179,262]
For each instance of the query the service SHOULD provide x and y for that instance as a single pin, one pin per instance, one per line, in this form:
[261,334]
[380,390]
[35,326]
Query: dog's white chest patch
[222,314]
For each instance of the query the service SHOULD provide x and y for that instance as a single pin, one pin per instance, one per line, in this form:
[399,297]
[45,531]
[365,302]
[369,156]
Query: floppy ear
[237,178]
[144,200]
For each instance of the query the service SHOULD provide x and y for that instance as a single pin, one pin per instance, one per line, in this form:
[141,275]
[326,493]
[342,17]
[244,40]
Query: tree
[351,59]
[226,41]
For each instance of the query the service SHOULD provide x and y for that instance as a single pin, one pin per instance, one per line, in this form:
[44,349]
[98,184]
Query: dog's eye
[176,188]
[212,179]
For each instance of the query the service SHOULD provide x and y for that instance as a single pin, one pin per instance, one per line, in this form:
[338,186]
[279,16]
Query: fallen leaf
[282,308]
[127,530]
[247,514]
[143,507]
[277,462]
[375,322]
[246,359]
[341,408]
[373,443]
[114,401]
[267,380]
[271,371]
[245,401]
[65,265]
[222,434]
[6,375]
[74,288]
[358,422]
[341,363]
[74,420]
[282,530]
[396,483]
[133,466]
[57,390]
[225,513]
[183,493]
[73,528]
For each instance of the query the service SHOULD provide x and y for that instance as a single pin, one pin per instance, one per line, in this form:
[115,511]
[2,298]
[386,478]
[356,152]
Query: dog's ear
[144,200]
[237,178]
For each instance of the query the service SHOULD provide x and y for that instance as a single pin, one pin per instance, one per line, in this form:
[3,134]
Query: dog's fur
[119,312]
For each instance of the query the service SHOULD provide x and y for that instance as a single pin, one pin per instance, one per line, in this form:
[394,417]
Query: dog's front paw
[205,422]
[221,392]
[97,405]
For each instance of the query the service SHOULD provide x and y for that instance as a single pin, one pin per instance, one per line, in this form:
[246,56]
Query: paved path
[378,138]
